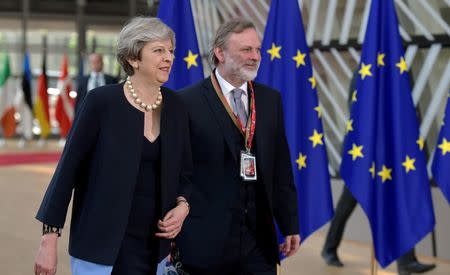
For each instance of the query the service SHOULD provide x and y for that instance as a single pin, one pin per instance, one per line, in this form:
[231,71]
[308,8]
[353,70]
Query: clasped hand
[172,222]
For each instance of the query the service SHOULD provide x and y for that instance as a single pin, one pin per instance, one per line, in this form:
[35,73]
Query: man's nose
[256,54]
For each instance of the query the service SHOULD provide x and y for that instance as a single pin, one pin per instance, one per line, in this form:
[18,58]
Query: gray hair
[135,34]
[223,33]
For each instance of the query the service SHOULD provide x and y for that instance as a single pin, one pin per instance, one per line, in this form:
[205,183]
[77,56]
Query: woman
[128,161]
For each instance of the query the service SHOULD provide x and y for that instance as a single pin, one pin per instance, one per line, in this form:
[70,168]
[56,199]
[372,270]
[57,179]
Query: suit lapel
[221,116]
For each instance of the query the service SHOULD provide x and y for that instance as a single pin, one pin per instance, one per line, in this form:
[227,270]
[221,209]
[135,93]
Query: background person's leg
[408,264]
[344,209]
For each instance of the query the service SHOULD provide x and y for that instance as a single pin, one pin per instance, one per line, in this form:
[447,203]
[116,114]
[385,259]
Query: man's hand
[46,258]
[290,245]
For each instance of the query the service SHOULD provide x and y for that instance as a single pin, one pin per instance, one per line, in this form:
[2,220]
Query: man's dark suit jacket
[101,161]
[215,157]
[82,88]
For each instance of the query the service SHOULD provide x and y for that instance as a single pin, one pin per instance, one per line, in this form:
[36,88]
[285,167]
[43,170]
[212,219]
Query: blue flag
[26,81]
[441,161]
[187,67]
[383,164]
[286,66]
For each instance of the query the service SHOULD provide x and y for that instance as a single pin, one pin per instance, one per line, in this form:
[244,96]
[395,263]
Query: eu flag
[441,161]
[286,66]
[187,67]
[383,164]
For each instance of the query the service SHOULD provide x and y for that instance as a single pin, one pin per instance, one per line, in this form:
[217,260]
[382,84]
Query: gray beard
[248,75]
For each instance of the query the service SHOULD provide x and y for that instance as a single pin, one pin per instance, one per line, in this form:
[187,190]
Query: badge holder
[248,166]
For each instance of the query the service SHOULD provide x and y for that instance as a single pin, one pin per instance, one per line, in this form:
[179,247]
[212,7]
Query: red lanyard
[247,131]
[251,124]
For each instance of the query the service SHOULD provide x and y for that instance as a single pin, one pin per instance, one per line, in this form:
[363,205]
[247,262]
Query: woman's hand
[46,258]
[171,225]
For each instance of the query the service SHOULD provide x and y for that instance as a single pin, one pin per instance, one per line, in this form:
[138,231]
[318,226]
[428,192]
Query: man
[96,79]
[236,123]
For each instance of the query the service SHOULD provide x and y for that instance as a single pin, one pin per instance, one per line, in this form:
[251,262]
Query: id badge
[248,166]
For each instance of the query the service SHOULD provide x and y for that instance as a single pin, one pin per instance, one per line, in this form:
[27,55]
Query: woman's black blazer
[100,163]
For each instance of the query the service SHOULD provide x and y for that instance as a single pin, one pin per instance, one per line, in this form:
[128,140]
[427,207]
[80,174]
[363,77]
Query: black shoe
[331,258]
[415,267]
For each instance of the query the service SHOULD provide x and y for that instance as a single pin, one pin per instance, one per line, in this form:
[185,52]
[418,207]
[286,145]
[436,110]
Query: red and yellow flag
[40,108]
[65,104]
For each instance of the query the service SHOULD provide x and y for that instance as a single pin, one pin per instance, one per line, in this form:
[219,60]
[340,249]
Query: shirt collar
[94,74]
[226,86]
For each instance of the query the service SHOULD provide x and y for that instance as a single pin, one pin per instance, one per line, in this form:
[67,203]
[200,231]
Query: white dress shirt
[226,88]
[91,81]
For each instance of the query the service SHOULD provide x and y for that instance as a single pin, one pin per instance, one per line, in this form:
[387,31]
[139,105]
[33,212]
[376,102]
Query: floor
[22,187]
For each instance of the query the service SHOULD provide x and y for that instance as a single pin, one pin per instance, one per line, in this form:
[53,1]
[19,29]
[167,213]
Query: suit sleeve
[285,204]
[81,140]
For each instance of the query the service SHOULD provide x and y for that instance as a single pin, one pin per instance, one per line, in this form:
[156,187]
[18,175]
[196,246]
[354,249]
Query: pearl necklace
[138,101]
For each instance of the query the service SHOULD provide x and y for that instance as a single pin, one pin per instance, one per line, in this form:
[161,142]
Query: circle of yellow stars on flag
[356,152]
[386,173]
[300,60]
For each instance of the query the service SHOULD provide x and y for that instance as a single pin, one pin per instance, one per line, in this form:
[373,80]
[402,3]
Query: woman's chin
[163,78]
[162,81]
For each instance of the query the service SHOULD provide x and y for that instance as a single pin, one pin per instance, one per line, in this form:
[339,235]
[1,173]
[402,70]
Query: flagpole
[373,264]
